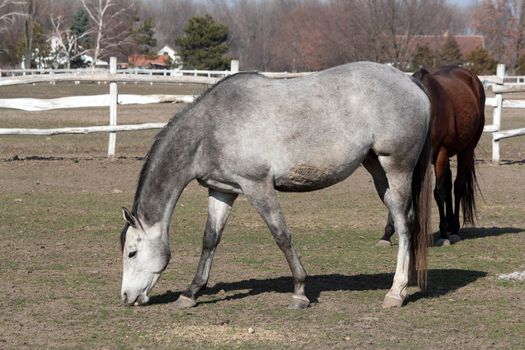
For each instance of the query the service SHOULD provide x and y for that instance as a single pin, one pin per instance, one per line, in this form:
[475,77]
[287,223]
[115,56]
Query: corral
[60,265]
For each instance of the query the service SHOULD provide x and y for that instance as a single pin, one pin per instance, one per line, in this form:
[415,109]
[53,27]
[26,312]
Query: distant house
[89,61]
[165,57]
[145,61]
[166,50]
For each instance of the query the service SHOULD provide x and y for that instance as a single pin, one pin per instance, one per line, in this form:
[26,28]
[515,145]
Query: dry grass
[60,264]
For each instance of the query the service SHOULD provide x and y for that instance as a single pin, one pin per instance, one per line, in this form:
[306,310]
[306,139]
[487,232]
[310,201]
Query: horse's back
[359,100]
[460,76]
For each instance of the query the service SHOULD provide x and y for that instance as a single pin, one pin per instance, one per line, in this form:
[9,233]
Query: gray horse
[252,135]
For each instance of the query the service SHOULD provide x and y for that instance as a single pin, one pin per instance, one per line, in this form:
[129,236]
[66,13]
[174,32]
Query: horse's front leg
[452,220]
[264,199]
[219,207]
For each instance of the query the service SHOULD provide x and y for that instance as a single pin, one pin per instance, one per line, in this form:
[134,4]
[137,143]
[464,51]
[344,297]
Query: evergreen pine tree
[145,37]
[40,46]
[80,25]
[204,44]
[423,57]
[480,62]
[78,28]
[450,53]
[520,66]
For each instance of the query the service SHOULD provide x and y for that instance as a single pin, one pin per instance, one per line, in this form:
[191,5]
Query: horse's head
[145,255]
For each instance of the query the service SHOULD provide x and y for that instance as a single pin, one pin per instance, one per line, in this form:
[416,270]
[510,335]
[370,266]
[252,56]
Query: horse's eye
[132,254]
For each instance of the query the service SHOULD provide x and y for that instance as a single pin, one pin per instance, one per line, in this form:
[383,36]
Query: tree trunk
[520,34]
[29,22]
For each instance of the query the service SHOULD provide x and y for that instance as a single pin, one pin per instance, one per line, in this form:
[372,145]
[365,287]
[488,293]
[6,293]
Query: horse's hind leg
[442,193]
[386,240]
[464,190]
[372,165]
[219,207]
[264,199]
[398,199]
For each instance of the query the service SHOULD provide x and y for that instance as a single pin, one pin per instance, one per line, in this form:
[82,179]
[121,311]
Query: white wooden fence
[500,83]
[113,76]
[15,77]
[506,85]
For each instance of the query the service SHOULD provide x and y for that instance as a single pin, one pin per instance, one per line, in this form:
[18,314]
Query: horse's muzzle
[141,299]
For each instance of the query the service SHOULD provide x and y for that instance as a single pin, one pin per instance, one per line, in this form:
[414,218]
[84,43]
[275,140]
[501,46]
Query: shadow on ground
[440,282]
[511,162]
[480,232]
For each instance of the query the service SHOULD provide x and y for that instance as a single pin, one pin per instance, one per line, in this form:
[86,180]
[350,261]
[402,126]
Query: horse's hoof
[442,242]
[184,302]
[392,301]
[299,302]
[383,243]
[454,238]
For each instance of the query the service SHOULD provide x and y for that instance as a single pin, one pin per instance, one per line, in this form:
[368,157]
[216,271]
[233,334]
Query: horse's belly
[302,177]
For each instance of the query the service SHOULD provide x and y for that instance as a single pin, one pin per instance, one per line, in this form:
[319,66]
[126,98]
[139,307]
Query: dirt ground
[60,266]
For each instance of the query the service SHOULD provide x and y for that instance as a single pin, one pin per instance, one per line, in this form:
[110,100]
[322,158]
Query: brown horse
[458,115]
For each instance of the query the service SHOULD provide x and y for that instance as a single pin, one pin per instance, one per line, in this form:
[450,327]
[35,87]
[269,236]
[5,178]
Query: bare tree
[520,32]
[9,12]
[67,41]
[496,20]
[31,12]
[252,26]
[171,17]
[392,25]
[311,34]
[111,24]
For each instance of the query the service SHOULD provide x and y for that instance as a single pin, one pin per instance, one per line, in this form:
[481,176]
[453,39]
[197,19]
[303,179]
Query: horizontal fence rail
[130,71]
[82,130]
[107,77]
[500,135]
[35,104]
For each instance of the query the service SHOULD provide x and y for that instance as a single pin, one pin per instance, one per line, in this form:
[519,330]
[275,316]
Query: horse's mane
[157,144]
[417,78]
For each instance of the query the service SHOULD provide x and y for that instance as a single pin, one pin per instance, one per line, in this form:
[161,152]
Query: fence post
[496,117]
[234,66]
[113,96]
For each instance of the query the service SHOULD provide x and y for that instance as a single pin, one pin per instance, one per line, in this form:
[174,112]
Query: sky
[463,2]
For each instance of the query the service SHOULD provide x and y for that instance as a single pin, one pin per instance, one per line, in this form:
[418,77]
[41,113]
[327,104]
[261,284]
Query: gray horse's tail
[421,226]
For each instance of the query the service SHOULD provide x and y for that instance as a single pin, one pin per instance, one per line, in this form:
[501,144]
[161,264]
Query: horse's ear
[420,73]
[130,219]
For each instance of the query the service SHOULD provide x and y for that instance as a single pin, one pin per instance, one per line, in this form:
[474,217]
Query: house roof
[143,60]
[466,43]
[167,48]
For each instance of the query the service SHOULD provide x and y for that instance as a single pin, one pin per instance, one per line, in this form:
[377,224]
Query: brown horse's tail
[421,199]
[468,200]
